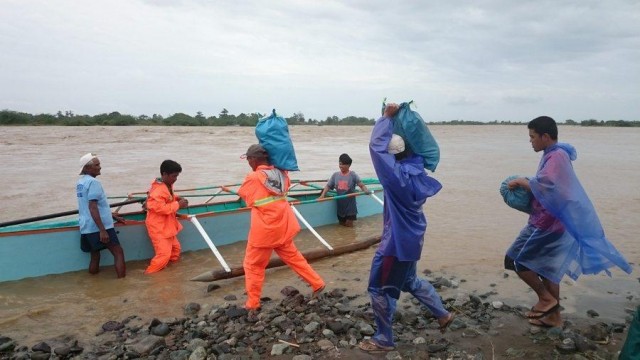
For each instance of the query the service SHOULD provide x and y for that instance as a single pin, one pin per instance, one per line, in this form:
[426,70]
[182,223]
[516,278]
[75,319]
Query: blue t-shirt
[89,188]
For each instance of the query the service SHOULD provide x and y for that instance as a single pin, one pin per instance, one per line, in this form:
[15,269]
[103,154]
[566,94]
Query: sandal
[371,346]
[539,314]
[444,327]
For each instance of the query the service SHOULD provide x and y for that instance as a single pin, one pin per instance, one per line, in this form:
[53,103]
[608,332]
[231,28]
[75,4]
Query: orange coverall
[273,227]
[162,225]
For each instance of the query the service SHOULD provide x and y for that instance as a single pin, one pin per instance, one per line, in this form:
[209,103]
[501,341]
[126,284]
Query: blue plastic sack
[518,198]
[412,128]
[273,134]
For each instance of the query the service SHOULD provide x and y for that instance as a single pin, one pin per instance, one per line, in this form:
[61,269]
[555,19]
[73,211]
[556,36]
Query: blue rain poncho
[583,247]
[406,187]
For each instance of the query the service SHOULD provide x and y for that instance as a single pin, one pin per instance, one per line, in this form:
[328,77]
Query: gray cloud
[477,61]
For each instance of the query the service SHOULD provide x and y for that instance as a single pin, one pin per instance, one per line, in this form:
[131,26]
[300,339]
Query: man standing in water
[273,227]
[393,269]
[161,222]
[563,234]
[95,217]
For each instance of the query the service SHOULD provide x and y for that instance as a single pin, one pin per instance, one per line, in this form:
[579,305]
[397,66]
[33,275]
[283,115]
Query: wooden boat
[40,248]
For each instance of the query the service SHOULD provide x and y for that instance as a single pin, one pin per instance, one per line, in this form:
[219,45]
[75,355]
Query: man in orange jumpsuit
[273,226]
[162,224]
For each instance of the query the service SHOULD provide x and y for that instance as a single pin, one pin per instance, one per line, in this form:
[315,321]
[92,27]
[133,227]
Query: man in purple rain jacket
[393,270]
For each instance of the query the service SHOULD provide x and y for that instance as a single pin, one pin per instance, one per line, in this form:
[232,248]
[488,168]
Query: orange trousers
[167,249]
[255,263]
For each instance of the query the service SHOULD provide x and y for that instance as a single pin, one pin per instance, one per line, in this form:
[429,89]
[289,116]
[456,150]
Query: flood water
[469,226]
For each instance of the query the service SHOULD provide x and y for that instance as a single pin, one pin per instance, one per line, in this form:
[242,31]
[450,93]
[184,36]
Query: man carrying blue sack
[563,234]
[393,269]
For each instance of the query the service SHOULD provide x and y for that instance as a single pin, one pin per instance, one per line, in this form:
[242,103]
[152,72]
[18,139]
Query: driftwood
[276,262]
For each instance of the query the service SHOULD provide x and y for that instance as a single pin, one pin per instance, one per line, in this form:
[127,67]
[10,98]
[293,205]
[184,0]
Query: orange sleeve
[249,187]
[159,201]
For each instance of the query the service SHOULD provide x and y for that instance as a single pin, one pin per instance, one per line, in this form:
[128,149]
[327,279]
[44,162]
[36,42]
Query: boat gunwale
[291,199]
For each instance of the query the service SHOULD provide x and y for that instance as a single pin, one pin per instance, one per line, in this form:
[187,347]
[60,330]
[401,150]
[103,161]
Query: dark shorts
[510,264]
[91,242]
[343,219]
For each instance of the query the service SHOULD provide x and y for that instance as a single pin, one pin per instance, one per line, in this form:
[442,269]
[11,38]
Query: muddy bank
[292,325]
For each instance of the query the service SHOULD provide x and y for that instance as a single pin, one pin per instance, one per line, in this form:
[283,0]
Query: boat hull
[47,251]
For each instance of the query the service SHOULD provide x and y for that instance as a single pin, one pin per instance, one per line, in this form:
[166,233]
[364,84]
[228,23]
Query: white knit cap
[85,159]
[396,145]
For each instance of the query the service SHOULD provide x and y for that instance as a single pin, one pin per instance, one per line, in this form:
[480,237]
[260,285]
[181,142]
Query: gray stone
[515,353]
[456,324]
[212,287]
[365,329]
[161,330]
[278,349]
[146,344]
[592,313]
[302,357]
[311,327]
[179,355]
[62,351]
[327,333]
[38,355]
[112,326]
[200,353]
[325,345]
[196,343]
[419,340]
[41,346]
[192,309]
[7,346]
[393,355]
[567,346]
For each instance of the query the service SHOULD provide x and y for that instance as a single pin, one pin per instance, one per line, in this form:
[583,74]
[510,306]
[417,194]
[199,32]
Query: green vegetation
[68,118]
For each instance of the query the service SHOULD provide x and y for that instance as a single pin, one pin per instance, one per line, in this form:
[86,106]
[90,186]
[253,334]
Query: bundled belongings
[273,134]
[411,127]
[518,198]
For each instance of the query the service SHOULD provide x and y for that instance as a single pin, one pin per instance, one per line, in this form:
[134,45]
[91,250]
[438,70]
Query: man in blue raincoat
[393,269]
[563,234]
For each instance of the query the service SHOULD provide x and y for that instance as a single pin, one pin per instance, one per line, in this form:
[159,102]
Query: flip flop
[541,323]
[444,327]
[371,346]
[540,314]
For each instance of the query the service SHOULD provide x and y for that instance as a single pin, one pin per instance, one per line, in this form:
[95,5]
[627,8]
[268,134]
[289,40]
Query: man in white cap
[95,217]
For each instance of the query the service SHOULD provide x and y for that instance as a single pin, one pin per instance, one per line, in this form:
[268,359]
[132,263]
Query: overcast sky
[469,60]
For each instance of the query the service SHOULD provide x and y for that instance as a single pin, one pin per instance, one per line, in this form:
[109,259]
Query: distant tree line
[68,118]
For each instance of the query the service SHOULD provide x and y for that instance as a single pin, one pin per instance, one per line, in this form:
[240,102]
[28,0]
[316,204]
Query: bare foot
[445,321]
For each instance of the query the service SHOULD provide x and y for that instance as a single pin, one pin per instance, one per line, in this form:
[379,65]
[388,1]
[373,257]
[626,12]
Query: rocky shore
[331,326]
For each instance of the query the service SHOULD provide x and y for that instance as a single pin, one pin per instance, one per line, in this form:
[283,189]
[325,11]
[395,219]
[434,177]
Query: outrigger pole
[61,214]
[206,237]
[377,198]
[306,223]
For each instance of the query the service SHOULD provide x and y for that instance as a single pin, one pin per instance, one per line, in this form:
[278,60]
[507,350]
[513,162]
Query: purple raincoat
[406,188]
